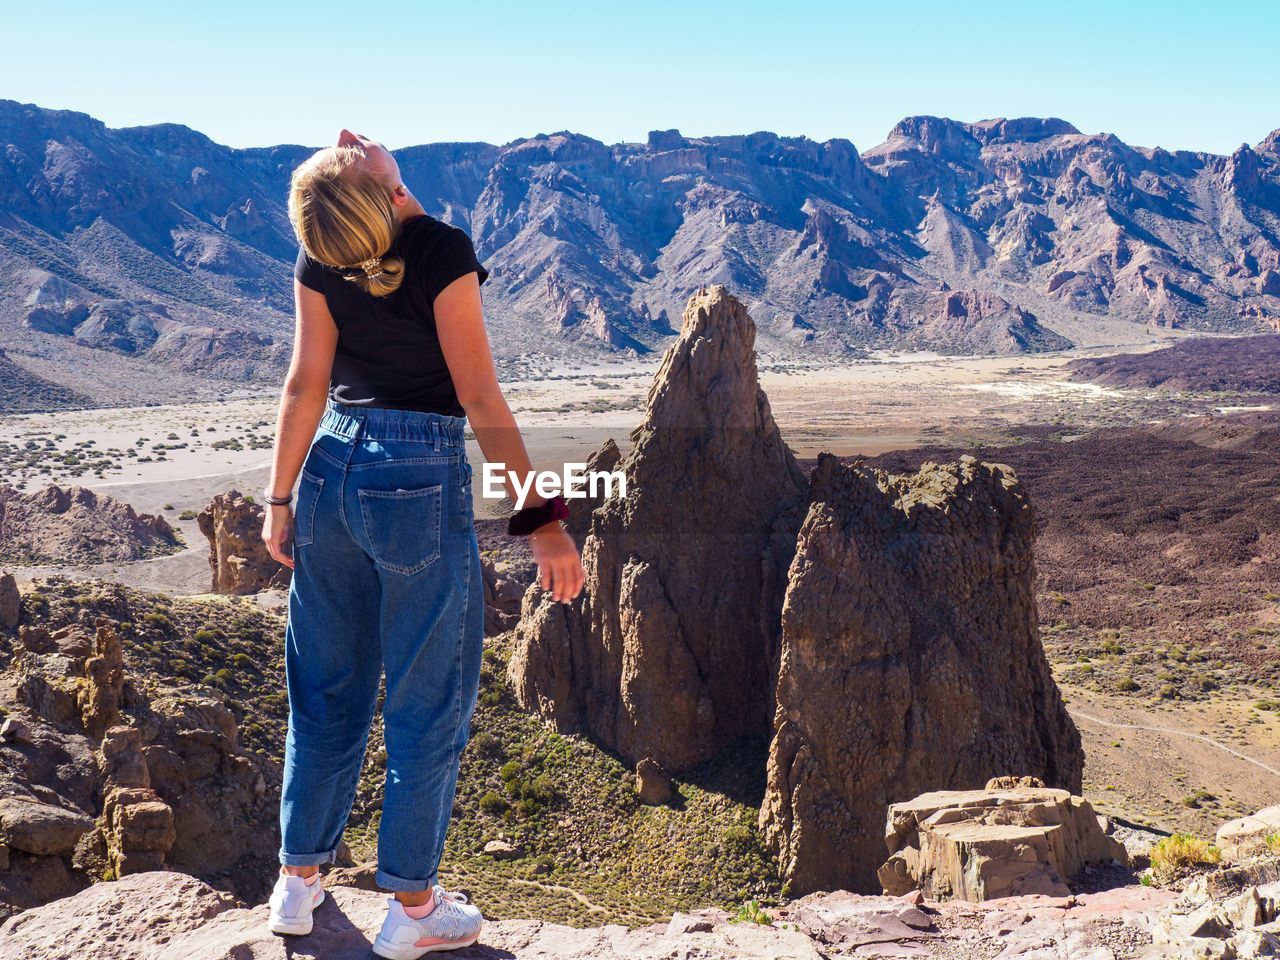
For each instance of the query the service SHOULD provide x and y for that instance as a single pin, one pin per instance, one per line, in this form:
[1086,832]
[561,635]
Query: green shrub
[1175,855]
[750,912]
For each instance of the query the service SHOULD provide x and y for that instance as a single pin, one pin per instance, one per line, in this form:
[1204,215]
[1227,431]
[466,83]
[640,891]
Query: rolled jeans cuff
[307,859]
[389,881]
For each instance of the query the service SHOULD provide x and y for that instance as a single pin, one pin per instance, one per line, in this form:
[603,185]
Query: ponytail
[344,218]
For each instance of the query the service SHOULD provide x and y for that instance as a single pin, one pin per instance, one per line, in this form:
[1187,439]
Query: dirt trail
[1171,732]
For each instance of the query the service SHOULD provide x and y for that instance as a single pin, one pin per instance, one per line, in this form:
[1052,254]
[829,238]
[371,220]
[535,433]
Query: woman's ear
[400,195]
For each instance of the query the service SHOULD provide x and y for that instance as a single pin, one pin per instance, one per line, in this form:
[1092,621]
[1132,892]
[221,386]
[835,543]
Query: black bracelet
[524,522]
[278,501]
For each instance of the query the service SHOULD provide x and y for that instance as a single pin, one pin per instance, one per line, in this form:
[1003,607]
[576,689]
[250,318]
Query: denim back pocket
[304,514]
[403,527]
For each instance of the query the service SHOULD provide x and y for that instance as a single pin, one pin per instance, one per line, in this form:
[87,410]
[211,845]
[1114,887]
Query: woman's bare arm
[460,327]
[306,387]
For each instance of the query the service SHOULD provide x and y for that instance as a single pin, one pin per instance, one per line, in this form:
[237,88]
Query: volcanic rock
[76,525]
[10,602]
[33,826]
[985,844]
[237,556]
[169,916]
[668,652]
[103,682]
[502,596]
[653,784]
[911,661]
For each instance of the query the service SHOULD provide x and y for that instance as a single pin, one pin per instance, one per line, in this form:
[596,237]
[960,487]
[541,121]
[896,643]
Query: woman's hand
[559,566]
[277,530]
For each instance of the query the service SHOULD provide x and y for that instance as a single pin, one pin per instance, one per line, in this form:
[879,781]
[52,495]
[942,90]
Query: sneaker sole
[296,928]
[390,951]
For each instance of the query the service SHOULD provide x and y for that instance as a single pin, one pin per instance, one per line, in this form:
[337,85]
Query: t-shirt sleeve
[453,257]
[307,272]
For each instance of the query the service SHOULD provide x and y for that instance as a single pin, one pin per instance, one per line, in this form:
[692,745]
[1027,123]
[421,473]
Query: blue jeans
[387,576]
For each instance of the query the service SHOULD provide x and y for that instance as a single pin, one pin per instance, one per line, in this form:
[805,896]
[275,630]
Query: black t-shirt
[388,354]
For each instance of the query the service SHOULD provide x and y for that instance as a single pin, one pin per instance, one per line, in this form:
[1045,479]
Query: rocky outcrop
[1244,926]
[1250,836]
[972,321]
[137,826]
[76,525]
[238,558]
[502,596]
[669,651]
[910,661]
[168,916]
[10,602]
[104,775]
[999,842]
[103,686]
[898,653]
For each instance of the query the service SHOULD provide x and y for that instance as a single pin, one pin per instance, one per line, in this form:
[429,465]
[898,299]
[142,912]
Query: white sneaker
[292,902]
[451,924]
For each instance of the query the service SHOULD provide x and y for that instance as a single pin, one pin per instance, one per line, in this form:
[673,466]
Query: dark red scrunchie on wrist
[524,522]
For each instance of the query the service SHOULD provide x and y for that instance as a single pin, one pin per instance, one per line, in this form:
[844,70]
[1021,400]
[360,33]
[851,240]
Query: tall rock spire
[670,651]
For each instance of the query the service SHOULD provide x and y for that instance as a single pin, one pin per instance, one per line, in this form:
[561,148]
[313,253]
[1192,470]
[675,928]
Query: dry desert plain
[1184,761]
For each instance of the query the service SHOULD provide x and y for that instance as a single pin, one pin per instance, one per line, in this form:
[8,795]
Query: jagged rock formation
[167,916]
[972,321]
[502,596]
[238,558]
[76,525]
[103,776]
[909,656]
[137,826]
[10,602]
[103,687]
[165,252]
[1002,841]
[910,661]
[668,653]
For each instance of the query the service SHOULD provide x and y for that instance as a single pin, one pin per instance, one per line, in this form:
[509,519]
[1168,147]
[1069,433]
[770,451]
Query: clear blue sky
[1176,74]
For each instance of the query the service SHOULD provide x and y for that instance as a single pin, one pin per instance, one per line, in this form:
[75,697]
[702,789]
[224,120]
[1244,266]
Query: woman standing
[390,355]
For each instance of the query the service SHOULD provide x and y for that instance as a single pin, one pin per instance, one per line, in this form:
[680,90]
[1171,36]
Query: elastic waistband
[381,423]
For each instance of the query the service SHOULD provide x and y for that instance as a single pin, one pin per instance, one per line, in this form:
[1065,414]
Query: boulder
[981,845]
[32,826]
[653,784]
[502,850]
[139,829]
[238,558]
[669,651]
[129,919]
[911,661]
[1247,836]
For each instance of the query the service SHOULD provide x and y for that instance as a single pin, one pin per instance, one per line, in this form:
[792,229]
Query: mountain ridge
[172,252]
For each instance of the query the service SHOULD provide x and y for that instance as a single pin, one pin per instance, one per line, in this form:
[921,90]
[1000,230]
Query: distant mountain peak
[150,247]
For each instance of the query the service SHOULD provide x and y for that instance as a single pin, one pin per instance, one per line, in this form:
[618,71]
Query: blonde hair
[344,218]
